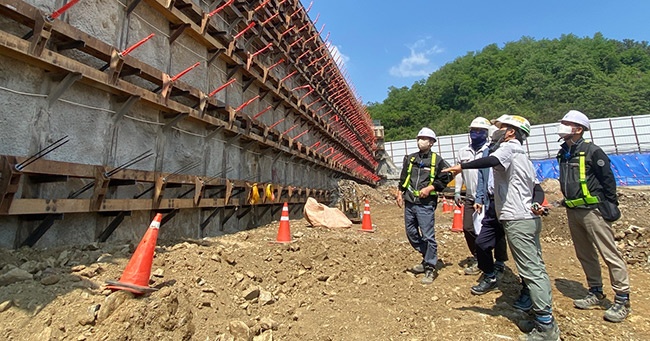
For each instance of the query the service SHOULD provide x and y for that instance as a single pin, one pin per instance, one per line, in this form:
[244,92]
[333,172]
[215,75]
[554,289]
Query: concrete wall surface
[57,94]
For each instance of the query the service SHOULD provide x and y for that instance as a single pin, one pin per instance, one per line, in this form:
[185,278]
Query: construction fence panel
[628,136]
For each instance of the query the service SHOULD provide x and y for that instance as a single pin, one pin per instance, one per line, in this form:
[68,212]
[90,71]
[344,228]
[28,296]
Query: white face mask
[564,130]
[424,144]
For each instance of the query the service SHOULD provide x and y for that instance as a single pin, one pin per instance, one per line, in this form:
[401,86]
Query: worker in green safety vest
[420,180]
[589,189]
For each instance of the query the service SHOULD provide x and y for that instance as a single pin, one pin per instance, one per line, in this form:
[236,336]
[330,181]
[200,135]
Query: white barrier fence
[619,135]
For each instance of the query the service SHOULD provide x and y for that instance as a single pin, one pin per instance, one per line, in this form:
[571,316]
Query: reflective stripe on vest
[432,174]
[587,198]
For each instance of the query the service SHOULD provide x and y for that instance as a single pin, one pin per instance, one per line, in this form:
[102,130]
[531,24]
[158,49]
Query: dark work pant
[491,237]
[420,222]
[468,226]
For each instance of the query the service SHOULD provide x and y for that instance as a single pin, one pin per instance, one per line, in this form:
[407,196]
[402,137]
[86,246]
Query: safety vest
[432,174]
[587,198]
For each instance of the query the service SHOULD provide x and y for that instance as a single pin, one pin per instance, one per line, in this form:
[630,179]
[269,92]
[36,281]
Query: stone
[111,303]
[45,335]
[4,306]
[239,276]
[51,279]
[14,276]
[229,258]
[105,257]
[31,266]
[78,268]
[239,330]
[251,293]
[265,336]
[266,298]
[267,323]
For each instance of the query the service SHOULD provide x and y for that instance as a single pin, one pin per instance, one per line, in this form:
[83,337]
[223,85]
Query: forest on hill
[538,79]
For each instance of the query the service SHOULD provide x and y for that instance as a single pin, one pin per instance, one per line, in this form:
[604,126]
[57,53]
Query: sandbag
[318,214]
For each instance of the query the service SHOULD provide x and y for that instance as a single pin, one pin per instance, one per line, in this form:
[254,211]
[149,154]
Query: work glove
[458,200]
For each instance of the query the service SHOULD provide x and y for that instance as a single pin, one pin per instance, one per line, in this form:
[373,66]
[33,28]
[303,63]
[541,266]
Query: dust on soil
[329,284]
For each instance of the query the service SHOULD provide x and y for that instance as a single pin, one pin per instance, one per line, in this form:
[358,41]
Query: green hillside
[538,79]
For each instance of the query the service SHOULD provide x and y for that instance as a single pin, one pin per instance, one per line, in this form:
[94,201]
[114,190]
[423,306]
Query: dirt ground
[328,284]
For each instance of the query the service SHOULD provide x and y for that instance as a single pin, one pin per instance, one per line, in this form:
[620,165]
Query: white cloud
[335,51]
[418,63]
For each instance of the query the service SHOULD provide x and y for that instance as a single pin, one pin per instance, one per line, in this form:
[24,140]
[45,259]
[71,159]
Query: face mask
[424,145]
[498,135]
[478,138]
[564,131]
[497,138]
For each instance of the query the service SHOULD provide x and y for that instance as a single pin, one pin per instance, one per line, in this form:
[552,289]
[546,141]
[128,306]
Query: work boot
[429,276]
[593,300]
[523,302]
[542,332]
[418,269]
[485,286]
[618,311]
[472,270]
[499,268]
[526,326]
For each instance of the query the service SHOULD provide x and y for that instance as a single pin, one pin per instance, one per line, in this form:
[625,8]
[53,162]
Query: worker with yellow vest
[420,180]
[589,189]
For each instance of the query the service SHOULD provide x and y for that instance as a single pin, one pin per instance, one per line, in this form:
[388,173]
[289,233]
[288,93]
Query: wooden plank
[61,206]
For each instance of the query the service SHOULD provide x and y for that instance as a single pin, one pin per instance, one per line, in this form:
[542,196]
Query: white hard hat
[515,121]
[480,123]
[574,116]
[426,132]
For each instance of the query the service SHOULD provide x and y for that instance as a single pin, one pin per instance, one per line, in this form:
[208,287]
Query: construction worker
[491,235]
[478,134]
[589,189]
[420,179]
[517,202]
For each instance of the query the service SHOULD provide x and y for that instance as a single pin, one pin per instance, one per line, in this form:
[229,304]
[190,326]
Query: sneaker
[618,311]
[472,270]
[429,276]
[485,286]
[541,332]
[523,303]
[418,269]
[593,300]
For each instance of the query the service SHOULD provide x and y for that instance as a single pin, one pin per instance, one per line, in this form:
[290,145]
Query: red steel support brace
[135,46]
[61,10]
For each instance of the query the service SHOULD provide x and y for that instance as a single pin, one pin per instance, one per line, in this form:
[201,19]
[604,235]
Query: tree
[540,80]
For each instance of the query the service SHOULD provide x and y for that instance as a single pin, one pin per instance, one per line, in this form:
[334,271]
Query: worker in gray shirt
[517,202]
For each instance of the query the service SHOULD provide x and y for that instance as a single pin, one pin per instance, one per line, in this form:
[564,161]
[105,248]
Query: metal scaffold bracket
[199,187]
[9,181]
[63,86]
[40,35]
[99,191]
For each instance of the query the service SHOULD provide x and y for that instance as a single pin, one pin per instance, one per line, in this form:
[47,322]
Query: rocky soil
[328,284]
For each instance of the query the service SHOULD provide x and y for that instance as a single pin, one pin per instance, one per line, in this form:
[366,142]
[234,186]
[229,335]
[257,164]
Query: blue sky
[396,43]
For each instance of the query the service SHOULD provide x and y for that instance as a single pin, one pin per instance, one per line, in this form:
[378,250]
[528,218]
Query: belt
[581,202]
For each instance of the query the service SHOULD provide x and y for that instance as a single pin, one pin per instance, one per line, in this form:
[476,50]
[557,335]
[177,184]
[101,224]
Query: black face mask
[498,135]
[497,138]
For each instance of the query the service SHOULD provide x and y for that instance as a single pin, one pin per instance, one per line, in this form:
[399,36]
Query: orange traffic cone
[135,277]
[457,225]
[284,233]
[366,222]
[545,203]
[446,206]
